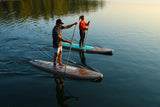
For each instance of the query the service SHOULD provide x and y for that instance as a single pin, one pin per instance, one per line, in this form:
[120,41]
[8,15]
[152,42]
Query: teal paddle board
[77,46]
[89,49]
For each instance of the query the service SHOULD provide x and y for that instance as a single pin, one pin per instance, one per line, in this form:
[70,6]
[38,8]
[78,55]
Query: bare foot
[56,67]
[61,64]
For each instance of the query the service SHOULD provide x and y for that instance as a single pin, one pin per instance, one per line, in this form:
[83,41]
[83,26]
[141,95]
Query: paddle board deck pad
[73,72]
[89,49]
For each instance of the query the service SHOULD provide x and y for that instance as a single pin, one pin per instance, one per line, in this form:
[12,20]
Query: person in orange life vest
[82,28]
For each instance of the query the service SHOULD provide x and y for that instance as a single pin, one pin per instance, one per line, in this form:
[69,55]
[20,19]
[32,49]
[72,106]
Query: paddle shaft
[86,39]
[70,47]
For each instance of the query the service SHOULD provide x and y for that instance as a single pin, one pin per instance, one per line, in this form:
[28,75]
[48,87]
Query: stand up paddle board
[89,49]
[73,72]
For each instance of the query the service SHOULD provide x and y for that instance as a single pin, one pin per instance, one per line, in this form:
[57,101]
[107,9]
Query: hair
[80,18]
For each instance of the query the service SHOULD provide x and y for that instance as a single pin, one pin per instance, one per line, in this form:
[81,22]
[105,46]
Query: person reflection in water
[83,59]
[60,95]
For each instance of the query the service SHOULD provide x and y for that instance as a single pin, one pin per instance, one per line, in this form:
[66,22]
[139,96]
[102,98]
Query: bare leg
[60,59]
[55,62]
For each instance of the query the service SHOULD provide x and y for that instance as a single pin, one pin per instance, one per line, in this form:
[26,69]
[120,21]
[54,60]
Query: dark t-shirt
[55,32]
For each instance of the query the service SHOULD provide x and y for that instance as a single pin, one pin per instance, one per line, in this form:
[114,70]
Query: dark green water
[131,74]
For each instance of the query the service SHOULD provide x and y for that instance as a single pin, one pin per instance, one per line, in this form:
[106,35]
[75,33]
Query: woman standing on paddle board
[82,28]
[57,38]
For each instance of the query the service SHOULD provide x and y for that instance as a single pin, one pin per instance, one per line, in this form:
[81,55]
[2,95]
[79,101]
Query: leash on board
[86,40]
[70,48]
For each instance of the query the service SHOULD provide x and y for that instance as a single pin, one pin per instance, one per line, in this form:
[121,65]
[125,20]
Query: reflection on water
[83,59]
[46,8]
[131,76]
[60,95]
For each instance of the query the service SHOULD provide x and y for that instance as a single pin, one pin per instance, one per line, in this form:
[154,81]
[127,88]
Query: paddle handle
[70,48]
[86,39]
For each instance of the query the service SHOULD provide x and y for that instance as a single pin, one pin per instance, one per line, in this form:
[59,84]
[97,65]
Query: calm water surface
[131,74]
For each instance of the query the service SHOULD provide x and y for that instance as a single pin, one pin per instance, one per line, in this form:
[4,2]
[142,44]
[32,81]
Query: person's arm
[64,40]
[87,23]
[69,26]
[83,25]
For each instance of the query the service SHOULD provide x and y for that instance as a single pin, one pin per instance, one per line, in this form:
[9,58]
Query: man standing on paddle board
[57,38]
[82,28]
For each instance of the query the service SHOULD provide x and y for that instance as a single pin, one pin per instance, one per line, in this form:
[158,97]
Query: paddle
[70,47]
[86,40]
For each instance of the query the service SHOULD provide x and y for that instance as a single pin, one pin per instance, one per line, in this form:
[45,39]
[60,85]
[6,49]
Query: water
[131,74]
